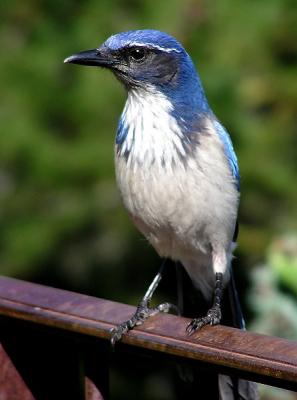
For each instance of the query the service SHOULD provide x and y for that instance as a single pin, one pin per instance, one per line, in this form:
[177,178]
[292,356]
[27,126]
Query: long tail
[234,388]
[237,320]
[205,383]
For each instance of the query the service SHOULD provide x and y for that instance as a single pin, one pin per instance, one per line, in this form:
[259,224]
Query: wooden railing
[55,345]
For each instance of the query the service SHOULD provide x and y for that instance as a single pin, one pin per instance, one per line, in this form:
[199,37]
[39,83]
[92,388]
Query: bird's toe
[213,317]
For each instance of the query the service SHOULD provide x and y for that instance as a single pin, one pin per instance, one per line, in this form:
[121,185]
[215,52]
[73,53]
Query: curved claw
[213,317]
[142,313]
[118,332]
[196,324]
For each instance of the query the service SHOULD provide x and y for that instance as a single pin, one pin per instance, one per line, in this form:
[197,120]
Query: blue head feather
[186,94]
[144,37]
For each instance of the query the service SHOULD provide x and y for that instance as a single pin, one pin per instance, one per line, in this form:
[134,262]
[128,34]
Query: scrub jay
[175,167]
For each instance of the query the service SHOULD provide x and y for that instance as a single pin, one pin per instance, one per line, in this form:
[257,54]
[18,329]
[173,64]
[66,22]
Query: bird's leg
[143,311]
[213,316]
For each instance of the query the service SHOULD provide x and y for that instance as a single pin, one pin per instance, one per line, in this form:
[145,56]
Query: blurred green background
[62,222]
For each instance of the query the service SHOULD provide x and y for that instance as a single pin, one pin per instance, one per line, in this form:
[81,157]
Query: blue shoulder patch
[121,132]
[229,150]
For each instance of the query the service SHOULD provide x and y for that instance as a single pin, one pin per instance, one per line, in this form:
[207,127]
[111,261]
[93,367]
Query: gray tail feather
[209,384]
[237,320]
[237,389]
[234,388]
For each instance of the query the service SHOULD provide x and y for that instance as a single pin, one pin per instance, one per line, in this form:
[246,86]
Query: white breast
[181,207]
[150,126]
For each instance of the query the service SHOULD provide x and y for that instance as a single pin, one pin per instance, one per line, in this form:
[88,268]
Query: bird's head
[148,60]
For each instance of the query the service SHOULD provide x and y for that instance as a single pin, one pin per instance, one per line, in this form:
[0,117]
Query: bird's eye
[137,54]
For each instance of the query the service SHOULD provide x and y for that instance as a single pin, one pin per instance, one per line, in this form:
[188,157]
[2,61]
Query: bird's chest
[146,192]
[177,196]
[181,207]
[149,145]
[158,202]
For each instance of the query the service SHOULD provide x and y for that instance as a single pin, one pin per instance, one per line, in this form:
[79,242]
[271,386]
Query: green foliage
[62,221]
[283,260]
[275,310]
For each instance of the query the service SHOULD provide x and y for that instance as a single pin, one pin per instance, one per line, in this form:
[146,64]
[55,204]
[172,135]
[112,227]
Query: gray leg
[214,315]
[143,311]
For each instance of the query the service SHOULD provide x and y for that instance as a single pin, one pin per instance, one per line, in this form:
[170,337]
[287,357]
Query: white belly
[184,212]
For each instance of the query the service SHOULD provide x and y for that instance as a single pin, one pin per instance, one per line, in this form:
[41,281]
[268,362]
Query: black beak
[91,57]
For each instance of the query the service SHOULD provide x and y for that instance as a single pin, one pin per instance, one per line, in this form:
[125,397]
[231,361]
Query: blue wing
[229,151]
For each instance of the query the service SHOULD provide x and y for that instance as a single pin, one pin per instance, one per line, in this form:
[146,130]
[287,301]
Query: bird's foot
[143,312]
[213,317]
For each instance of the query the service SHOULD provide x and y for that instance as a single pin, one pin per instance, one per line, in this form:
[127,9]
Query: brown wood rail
[259,357]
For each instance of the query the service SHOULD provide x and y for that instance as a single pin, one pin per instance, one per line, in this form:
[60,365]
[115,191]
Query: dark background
[62,222]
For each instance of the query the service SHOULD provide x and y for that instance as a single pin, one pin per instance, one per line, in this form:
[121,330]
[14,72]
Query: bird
[176,170]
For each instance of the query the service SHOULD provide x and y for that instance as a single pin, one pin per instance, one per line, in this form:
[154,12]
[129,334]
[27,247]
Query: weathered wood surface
[267,359]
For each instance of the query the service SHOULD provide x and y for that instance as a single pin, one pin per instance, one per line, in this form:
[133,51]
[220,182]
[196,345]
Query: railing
[52,339]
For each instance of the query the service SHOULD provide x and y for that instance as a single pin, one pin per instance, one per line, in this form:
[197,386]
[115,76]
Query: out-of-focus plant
[273,293]
[282,257]
[273,299]
[62,221]
[61,218]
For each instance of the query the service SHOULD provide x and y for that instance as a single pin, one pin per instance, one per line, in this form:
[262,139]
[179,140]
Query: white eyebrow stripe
[154,46]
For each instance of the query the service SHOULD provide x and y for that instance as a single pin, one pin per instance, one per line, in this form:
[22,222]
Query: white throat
[153,134]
